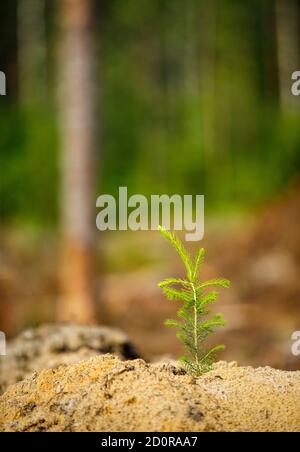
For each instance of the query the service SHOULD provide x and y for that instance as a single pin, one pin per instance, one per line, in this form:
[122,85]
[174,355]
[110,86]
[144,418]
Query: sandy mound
[52,345]
[106,394]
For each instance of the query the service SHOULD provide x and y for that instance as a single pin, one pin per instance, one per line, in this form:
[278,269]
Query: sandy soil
[51,345]
[107,394]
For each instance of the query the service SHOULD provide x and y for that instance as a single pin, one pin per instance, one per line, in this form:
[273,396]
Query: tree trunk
[287,19]
[77,133]
[32,54]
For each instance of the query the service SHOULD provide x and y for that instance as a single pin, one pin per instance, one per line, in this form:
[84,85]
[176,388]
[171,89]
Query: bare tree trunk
[31,50]
[77,132]
[207,74]
[287,19]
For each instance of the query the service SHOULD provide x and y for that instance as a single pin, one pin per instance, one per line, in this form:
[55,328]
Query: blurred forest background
[188,97]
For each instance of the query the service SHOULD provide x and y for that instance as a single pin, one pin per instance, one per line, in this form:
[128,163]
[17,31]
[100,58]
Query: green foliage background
[188,103]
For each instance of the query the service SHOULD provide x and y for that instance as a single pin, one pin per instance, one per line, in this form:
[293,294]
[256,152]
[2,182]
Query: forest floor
[106,394]
[259,254]
[50,346]
[75,389]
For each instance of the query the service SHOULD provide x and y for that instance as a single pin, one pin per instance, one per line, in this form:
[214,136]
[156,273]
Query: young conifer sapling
[193,324]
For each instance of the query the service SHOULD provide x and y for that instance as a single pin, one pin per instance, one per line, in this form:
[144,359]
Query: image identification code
[150,441]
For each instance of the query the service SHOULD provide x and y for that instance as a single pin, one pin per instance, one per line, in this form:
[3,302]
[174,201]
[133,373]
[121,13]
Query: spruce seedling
[194,325]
